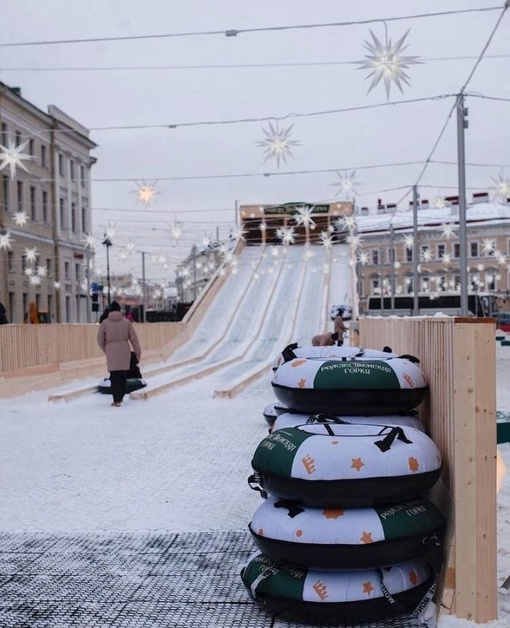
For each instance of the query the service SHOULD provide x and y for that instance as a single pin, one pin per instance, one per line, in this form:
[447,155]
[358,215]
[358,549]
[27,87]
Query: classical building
[385,252]
[45,210]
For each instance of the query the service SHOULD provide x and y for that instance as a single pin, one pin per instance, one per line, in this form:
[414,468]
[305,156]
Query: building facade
[45,211]
[385,249]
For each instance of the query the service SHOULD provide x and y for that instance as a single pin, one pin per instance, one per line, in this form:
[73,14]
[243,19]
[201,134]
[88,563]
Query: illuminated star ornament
[501,189]
[5,241]
[304,216]
[20,218]
[387,63]
[346,183]
[146,193]
[89,241]
[13,156]
[277,143]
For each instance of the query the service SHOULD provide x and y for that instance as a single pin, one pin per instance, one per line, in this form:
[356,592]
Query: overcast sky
[340,142]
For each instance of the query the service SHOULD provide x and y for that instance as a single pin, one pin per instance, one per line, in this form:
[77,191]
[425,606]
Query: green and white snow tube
[361,386]
[293,419]
[350,538]
[346,466]
[339,596]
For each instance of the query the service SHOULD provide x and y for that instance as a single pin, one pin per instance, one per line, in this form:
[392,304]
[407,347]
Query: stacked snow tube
[345,532]
[132,384]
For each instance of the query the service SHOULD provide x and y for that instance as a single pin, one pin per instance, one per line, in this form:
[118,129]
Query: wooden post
[458,356]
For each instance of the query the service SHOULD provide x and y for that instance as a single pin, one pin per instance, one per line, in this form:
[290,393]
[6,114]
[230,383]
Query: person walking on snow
[114,335]
[324,340]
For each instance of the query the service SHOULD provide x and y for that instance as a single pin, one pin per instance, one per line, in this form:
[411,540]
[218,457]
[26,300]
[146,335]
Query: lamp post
[108,243]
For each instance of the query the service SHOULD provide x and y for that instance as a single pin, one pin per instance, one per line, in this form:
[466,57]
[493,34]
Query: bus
[480,304]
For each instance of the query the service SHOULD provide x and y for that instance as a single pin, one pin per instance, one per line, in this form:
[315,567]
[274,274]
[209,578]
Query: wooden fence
[458,357]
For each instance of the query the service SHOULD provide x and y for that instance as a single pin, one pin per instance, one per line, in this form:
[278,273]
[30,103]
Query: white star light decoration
[387,63]
[501,188]
[326,240]
[89,241]
[5,241]
[346,183]
[304,217]
[286,235]
[20,219]
[146,192]
[447,231]
[277,143]
[13,156]
[408,241]
[31,254]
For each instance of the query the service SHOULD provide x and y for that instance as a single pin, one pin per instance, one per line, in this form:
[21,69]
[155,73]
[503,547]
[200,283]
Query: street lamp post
[108,243]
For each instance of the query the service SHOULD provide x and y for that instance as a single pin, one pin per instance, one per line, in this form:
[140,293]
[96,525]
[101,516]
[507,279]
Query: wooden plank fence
[458,357]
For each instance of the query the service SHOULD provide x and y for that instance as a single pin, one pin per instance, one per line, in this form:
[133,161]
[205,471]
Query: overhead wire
[262,29]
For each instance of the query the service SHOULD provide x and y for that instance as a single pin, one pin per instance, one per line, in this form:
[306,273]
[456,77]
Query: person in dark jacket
[3,315]
[114,337]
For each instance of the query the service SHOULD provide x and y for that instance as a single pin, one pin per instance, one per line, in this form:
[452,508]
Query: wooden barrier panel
[458,357]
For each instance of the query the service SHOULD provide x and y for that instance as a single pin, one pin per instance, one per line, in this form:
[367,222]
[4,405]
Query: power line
[462,91]
[239,31]
[223,66]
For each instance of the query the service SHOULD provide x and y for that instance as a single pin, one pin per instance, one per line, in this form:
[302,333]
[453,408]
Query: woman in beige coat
[114,335]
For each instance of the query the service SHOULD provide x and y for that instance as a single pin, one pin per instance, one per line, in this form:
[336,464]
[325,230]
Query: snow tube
[338,596]
[352,538]
[272,410]
[345,466]
[132,384]
[351,386]
[293,419]
[340,353]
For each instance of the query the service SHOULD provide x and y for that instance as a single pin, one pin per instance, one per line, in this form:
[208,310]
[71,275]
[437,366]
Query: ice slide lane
[236,343]
[209,332]
[295,317]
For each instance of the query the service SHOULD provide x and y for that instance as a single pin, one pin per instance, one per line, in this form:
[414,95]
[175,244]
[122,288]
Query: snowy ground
[175,463]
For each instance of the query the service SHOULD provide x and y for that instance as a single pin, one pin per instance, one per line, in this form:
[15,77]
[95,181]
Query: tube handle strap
[255,481]
[396,433]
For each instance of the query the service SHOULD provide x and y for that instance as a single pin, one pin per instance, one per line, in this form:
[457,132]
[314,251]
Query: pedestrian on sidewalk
[114,337]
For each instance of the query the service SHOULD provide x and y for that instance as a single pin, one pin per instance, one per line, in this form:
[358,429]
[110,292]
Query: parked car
[503,321]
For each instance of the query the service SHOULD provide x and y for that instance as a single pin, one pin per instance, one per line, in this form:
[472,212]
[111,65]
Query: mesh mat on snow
[148,580]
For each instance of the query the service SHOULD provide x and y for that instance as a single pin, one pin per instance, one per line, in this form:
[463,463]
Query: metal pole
[108,271]
[392,270]
[461,165]
[89,308]
[381,266]
[144,291]
[416,257]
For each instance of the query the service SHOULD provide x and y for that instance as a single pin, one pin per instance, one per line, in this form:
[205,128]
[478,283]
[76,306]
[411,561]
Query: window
[18,138]
[73,217]
[50,306]
[409,255]
[23,263]
[61,164]
[68,309]
[10,261]
[44,156]
[77,273]
[375,286]
[45,206]
[20,195]
[6,191]
[5,134]
[473,249]
[31,147]
[67,271]
[441,283]
[71,167]
[48,265]
[83,220]
[32,203]
[425,254]
[409,284]
[441,250]
[425,284]
[62,214]
[391,256]
[375,257]
[456,250]
[82,175]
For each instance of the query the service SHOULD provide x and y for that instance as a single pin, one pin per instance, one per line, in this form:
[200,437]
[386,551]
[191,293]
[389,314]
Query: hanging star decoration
[20,218]
[387,63]
[42,271]
[304,216]
[176,230]
[89,241]
[110,230]
[326,240]
[35,280]
[501,189]
[286,235]
[408,241]
[31,254]
[346,183]
[447,230]
[5,241]
[277,143]
[438,202]
[13,156]
[29,271]
[145,192]
[488,246]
